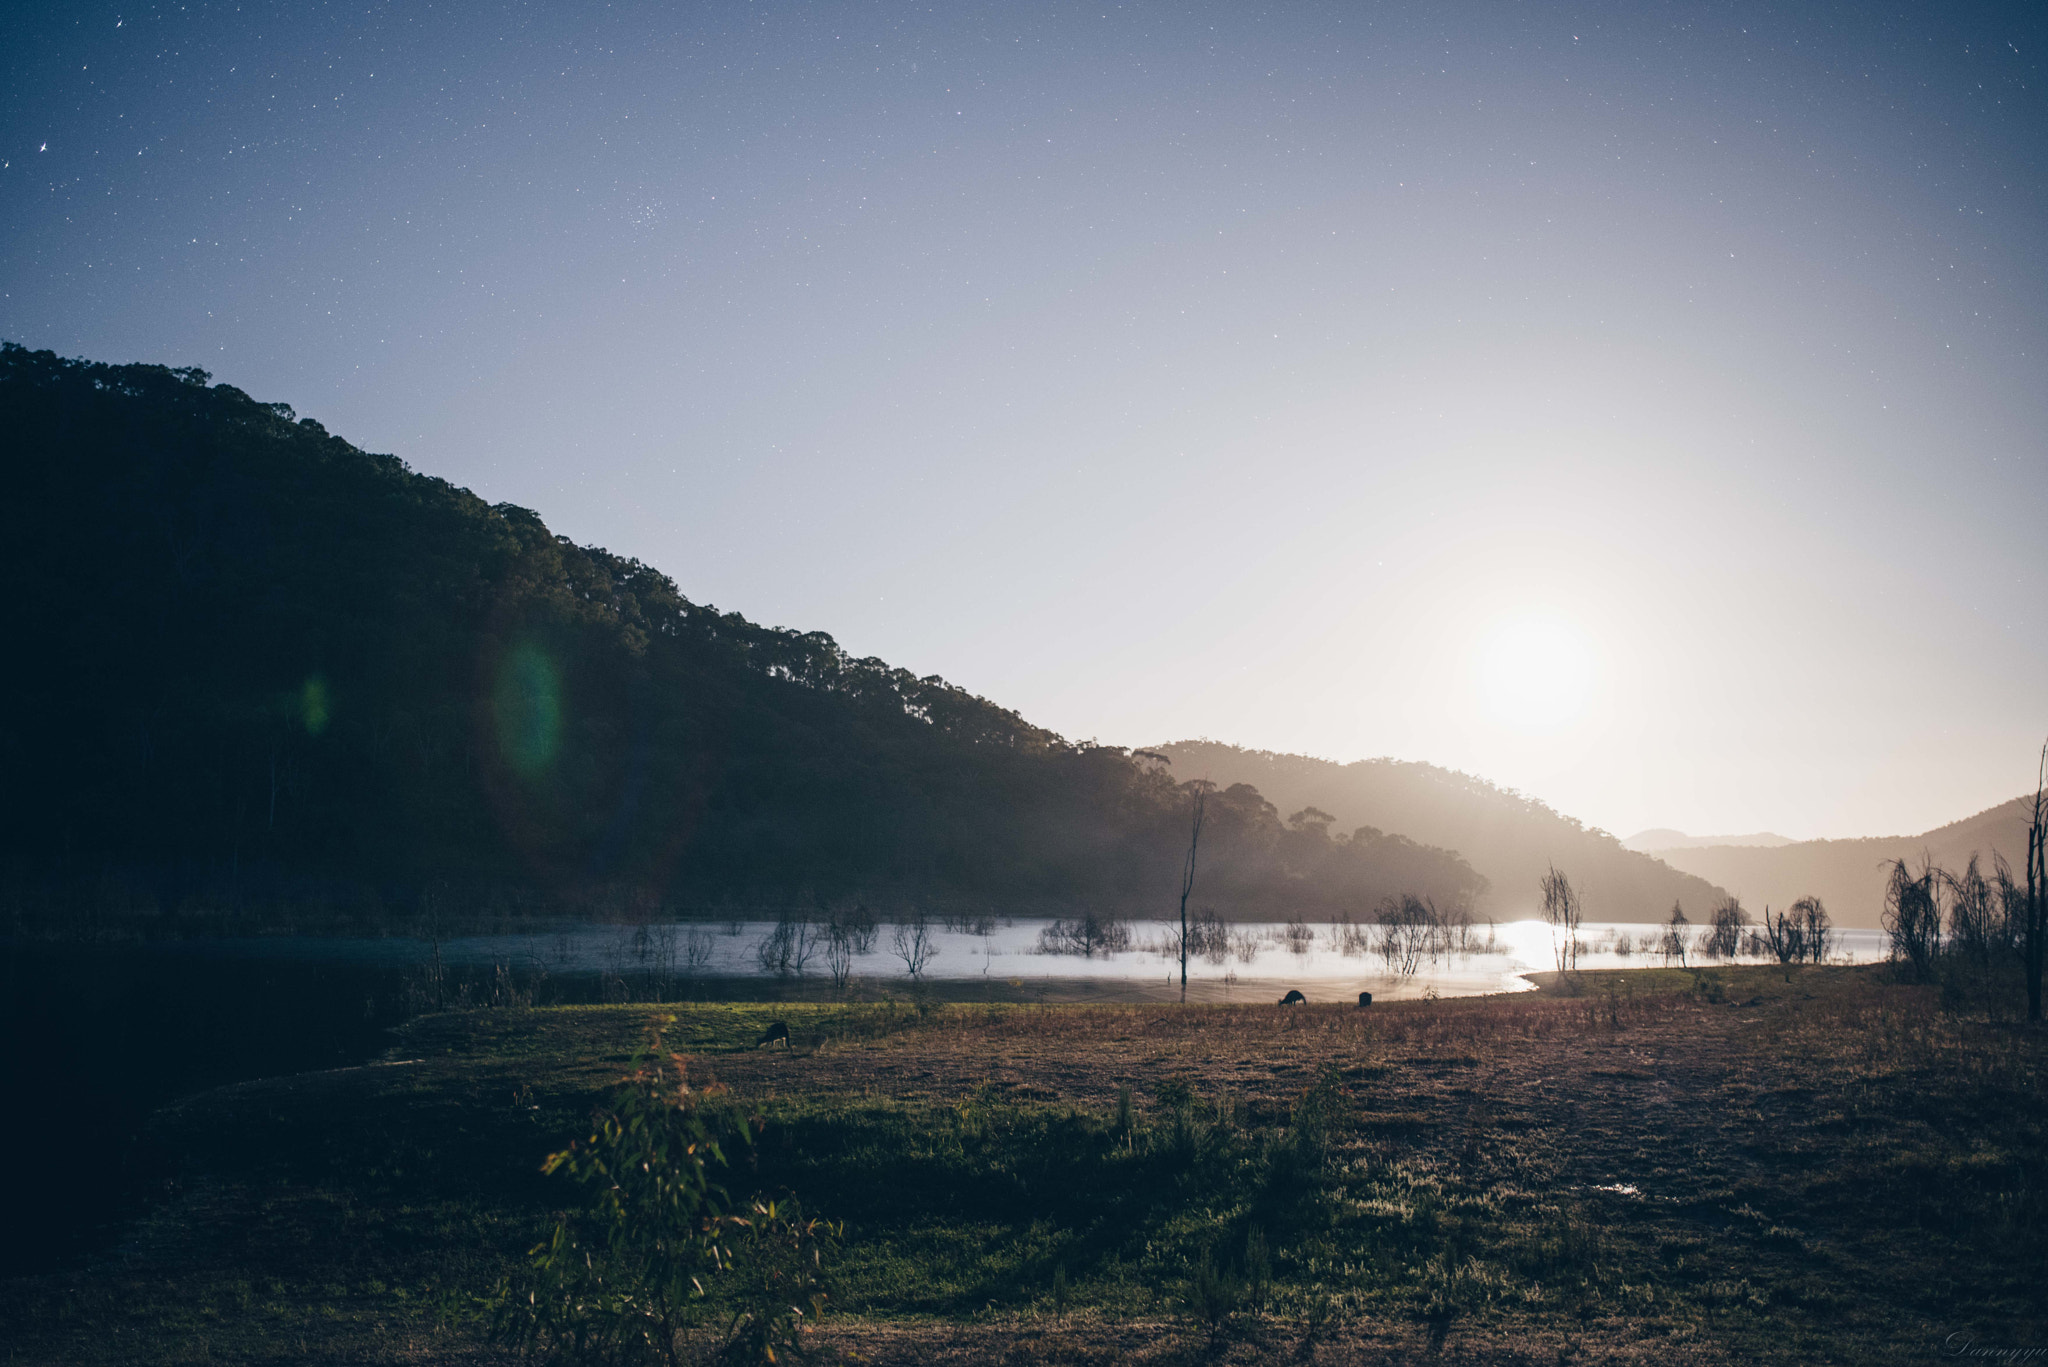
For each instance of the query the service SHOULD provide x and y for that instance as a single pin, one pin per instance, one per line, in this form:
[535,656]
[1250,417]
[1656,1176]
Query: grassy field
[1747,1164]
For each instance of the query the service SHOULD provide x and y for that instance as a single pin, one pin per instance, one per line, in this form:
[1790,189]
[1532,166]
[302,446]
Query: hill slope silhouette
[260,678]
[1849,875]
[1510,839]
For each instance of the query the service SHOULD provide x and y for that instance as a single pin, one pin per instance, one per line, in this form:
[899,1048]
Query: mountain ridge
[1509,838]
[1848,875]
[1663,838]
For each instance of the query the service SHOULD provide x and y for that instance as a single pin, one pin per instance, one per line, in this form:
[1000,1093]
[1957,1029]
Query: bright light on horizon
[1536,672]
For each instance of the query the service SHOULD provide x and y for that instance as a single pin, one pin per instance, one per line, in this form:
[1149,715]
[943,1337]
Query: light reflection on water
[1009,953]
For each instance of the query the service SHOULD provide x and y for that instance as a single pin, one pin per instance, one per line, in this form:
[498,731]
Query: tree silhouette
[1198,802]
[261,678]
[1564,911]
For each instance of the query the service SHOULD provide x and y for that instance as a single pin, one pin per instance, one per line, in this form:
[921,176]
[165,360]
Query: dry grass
[1645,1166]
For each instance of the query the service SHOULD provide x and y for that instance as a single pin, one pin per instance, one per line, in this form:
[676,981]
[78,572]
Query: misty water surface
[1262,954]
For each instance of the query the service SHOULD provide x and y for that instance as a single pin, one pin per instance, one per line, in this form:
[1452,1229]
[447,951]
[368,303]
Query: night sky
[1642,406]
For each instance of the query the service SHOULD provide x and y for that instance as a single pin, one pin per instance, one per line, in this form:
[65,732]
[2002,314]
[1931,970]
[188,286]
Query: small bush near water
[662,1265]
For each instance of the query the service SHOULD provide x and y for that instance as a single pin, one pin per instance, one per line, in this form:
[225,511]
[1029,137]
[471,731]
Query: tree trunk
[1187,883]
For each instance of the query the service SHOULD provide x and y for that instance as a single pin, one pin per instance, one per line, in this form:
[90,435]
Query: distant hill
[1509,838]
[259,678]
[1650,842]
[1849,875]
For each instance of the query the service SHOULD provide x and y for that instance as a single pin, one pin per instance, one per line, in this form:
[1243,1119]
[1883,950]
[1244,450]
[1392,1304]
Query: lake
[1322,960]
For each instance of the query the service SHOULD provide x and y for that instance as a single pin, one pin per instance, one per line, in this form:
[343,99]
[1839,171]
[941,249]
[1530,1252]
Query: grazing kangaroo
[1294,998]
[777,1031]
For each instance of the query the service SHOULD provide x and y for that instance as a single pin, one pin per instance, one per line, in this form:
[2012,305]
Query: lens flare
[313,706]
[527,705]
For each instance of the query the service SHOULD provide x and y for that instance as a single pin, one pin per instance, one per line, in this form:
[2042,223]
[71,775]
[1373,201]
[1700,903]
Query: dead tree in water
[1815,927]
[1786,935]
[1674,942]
[912,941]
[1564,911]
[1725,941]
[1200,789]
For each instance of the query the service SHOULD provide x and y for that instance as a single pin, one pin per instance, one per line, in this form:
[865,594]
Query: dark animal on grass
[1294,998]
[777,1031]
[1365,999]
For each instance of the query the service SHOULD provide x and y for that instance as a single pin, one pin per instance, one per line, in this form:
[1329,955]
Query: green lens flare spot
[313,705]
[527,701]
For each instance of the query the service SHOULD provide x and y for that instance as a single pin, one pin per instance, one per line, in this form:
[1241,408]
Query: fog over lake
[1310,955]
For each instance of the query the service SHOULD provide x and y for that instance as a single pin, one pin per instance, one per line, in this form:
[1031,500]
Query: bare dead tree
[1973,911]
[697,946]
[789,948]
[838,956]
[912,940]
[1725,939]
[774,950]
[1350,938]
[1199,789]
[1457,927]
[1563,910]
[859,925]
[1407,928]
[662,959]
[1674,941]
[1297,935]
[1912,915]
[804,942]
[2012,908]
[1089,934]
[1785,935]
[1815,929]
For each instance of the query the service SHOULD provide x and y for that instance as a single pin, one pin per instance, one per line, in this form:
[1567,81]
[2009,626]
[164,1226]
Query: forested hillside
[1511,839]
[259,677]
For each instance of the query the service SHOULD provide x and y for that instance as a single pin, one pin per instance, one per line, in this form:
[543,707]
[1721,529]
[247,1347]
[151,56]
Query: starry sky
[1639,405]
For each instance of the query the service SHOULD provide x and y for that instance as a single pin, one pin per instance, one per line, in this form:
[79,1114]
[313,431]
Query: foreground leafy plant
[1215,1294]
[662,1263]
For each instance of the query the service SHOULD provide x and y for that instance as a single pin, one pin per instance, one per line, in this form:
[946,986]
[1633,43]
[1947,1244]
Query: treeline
[1979,936]
[260,678]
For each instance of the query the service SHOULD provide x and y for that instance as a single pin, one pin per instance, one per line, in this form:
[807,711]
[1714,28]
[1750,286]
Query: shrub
[1258,1268]
[660,1257]
[1317,1113]
[1215,1293]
